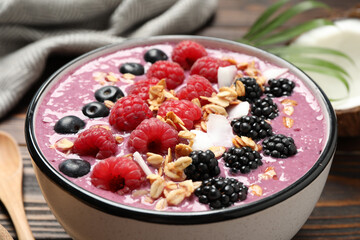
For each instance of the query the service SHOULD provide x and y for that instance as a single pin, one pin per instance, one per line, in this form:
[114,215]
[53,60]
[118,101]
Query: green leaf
[285,16]
[265,16]
[327,72]
[316,62]
[288,34]
[303,50]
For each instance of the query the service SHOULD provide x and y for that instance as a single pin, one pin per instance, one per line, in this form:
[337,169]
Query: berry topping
[208,67]
[279,146]
[204,166]
[184,109]
[242,159]
[221,192]
[141,87]
[128,112]
[196,86]
[74,167]
[252,89]
[171,71]
[265,108]
[95,110]
[154,55]
[133,68]
[279,87]
[69,124]
[187,52]
[251,126]
[153,135]
[117,174]
[96,141]
[111,93]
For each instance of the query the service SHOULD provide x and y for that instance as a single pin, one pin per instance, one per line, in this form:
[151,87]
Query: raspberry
[129,112]
[187,52]
[184,109]
[208,67]
[196,86]
[171,71]
[117,174]
[95,141]
[141,88]
[153,135]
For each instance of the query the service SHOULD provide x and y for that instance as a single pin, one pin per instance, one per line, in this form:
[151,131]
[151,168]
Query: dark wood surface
[336,215]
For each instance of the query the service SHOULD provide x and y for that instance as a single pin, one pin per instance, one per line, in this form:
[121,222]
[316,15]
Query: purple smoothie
[76,88]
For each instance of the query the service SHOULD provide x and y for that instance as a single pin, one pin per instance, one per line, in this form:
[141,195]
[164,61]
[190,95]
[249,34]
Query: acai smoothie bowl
[184,137]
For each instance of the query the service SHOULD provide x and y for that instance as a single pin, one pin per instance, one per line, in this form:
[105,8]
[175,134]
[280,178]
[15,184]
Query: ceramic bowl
[85,215]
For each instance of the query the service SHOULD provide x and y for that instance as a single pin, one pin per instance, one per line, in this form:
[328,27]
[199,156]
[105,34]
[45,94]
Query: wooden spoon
[11,168]
[4,234]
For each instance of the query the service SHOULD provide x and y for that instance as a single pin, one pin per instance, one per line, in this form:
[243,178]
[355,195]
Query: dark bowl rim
[166,217]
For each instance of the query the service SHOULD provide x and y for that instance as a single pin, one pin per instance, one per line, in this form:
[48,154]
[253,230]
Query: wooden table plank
[337,214]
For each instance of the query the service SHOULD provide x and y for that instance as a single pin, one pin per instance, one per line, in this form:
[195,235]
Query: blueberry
[154,55]
[110,93]
[95,110]
[133,68]
[69,124]
[74,167]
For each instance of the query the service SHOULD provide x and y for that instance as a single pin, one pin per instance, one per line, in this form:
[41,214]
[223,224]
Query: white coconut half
[343,36]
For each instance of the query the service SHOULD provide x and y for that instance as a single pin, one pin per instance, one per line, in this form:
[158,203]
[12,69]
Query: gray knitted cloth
[30,30]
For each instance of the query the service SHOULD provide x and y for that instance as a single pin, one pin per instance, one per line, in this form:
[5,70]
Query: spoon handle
[11,196]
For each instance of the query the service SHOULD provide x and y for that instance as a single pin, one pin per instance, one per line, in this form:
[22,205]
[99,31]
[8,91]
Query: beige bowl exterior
[82,222]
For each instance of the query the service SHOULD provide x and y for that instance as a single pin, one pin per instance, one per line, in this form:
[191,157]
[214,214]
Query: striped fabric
[30,30]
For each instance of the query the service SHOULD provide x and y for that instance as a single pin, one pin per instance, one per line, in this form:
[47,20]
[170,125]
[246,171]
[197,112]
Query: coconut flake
[142,163]
[237,111]
[219,130]
[226,75]
[274,72]
[201,141]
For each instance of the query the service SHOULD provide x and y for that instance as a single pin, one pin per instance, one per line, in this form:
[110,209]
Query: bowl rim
[182,218]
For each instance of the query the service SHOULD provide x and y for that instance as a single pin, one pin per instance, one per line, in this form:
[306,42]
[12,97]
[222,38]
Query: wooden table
[337,214]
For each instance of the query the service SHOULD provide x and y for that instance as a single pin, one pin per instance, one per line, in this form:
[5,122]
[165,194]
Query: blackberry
[204,166]
[242,159]
[279,87]
[251,126]
[279,146]
[221,192]
[252,89]
[265,108]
